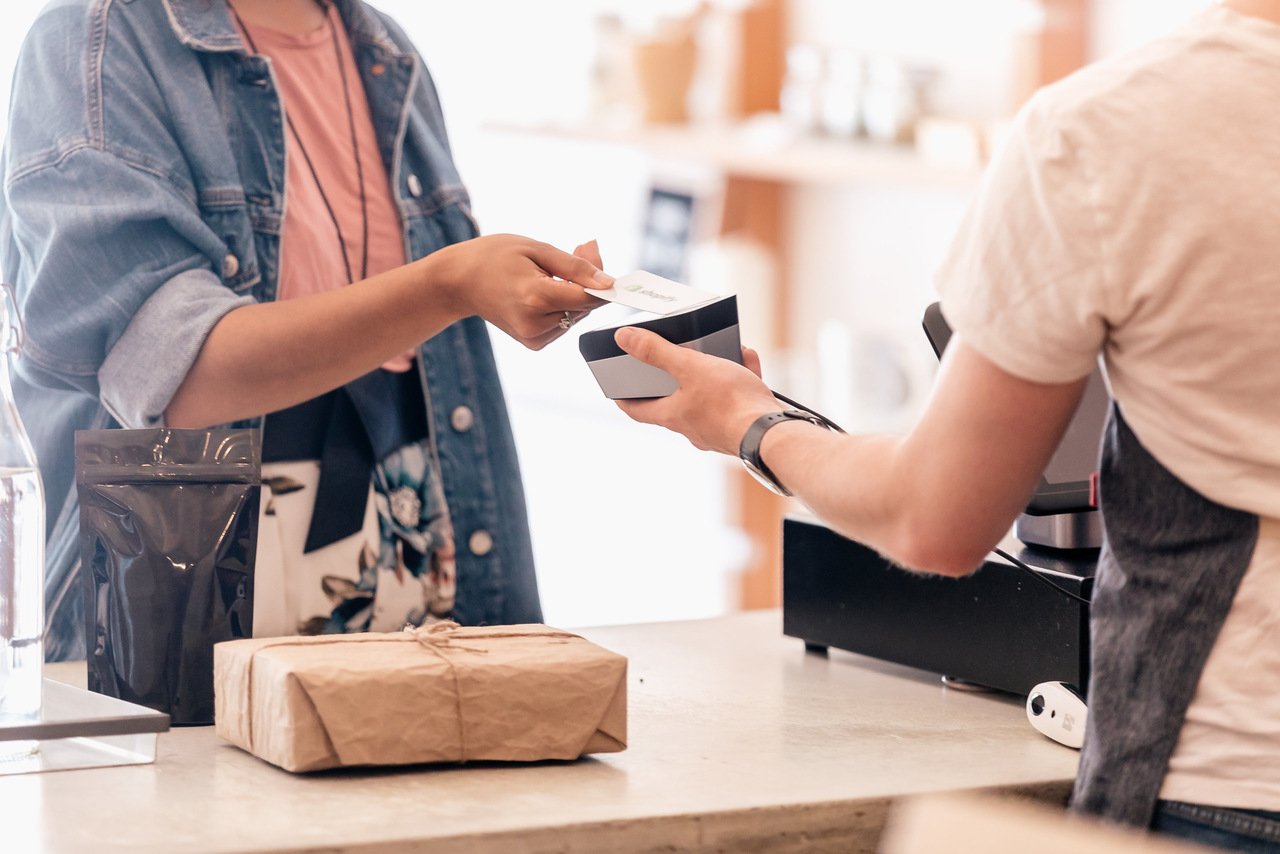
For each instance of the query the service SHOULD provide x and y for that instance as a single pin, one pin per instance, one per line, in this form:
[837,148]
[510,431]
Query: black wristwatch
[749,448]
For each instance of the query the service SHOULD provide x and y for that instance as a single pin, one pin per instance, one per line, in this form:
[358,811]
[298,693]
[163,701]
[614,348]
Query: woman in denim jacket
[148,176]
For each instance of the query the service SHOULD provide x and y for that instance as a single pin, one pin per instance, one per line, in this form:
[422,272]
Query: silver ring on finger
[566,321]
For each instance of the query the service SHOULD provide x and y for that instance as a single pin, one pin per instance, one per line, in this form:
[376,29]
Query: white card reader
[710,328]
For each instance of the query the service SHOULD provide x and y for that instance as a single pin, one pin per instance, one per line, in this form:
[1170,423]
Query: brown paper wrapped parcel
[442,693]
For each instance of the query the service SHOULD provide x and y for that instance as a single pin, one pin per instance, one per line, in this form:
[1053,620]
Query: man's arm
[938,499]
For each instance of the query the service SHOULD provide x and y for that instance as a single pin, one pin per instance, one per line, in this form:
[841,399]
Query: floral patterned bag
[398,569]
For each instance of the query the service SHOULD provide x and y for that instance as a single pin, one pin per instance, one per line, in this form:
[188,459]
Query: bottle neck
[15,444]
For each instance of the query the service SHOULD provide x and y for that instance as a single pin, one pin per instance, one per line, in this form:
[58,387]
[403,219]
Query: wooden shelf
[764,151]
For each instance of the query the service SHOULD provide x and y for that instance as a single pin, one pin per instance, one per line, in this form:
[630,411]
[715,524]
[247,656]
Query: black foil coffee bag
[168,532]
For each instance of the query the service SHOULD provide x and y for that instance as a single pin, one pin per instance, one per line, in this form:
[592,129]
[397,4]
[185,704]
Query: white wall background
[630,523]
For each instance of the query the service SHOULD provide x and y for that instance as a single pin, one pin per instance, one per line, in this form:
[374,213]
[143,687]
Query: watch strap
[749,447]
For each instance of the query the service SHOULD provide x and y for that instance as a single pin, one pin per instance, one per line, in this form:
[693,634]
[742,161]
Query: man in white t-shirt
[1133,215]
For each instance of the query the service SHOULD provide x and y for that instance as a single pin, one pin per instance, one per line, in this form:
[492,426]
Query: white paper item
[654,294]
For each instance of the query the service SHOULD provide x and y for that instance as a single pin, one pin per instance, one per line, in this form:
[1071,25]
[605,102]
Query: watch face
[763,479]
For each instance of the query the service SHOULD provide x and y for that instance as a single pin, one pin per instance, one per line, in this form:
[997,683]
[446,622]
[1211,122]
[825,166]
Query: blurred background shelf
[779,176]
[765,152]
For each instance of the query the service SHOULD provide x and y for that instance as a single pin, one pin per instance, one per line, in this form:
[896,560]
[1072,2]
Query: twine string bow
[436,638]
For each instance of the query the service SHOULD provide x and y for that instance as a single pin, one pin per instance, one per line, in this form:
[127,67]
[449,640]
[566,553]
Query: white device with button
[1056,710]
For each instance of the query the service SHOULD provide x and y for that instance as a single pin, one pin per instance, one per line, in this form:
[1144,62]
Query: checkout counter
[738,742]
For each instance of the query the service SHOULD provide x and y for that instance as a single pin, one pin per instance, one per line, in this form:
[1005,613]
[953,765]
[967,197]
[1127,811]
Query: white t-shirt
[1134,213]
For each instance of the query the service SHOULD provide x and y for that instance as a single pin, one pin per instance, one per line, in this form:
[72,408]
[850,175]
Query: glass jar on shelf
[801,96]
[842,90]
[893,99]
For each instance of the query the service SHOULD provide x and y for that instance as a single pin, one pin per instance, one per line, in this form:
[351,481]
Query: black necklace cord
[355,144]
[306,155]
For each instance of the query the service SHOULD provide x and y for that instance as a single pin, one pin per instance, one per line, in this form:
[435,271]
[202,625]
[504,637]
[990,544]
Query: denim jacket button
[481,543]
[377,69]
[462,418]
[230,266]
[415,186]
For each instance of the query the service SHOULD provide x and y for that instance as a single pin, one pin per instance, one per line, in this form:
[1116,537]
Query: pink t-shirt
[307,72]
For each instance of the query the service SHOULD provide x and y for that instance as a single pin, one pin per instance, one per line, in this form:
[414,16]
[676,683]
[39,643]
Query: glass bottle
[21,552]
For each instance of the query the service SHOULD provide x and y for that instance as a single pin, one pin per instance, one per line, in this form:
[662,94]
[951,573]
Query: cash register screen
[1064,486]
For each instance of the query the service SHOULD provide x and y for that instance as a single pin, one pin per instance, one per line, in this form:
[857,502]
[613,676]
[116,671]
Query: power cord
[831,425]
[1038,577]
[827,422]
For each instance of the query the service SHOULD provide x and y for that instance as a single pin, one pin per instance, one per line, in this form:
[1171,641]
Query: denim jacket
[144,197]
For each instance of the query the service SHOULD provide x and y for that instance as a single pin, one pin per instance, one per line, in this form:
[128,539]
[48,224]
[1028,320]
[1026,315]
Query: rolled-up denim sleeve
[148,363]
[117,284]
[105,231]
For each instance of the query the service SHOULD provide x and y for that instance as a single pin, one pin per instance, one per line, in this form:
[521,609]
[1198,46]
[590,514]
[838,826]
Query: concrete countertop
[738,741]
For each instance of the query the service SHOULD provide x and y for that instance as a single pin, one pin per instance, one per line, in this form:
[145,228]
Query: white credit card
[654,294]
